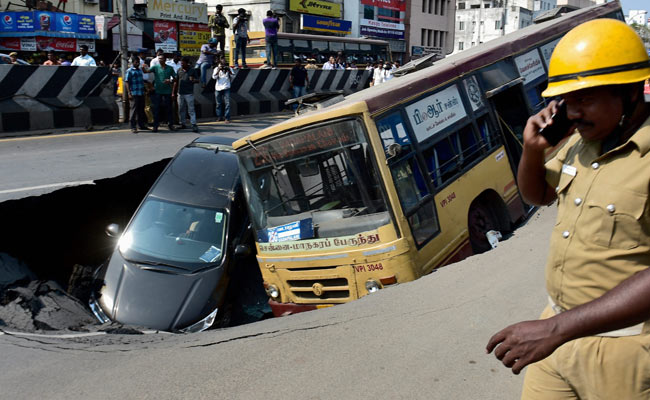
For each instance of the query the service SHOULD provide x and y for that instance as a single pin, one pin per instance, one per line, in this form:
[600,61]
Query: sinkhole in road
[51,244]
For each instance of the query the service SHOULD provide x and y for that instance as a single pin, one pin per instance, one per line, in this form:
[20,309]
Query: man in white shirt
[331,64]
[84,60]
[222,75]
[240,28]
[175,62]
[155,61]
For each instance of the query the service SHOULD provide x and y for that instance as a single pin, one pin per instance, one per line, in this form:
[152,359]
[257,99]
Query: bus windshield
[323,173]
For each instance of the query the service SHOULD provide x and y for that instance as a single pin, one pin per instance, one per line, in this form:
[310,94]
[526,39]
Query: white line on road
[52,185]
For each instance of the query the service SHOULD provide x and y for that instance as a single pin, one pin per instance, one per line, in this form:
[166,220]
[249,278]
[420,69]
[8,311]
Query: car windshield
[175,234]
[321,178]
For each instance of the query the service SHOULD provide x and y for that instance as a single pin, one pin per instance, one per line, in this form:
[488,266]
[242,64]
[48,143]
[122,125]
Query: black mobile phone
[560,128]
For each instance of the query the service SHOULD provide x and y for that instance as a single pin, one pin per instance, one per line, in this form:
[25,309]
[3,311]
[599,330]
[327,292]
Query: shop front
[30,33]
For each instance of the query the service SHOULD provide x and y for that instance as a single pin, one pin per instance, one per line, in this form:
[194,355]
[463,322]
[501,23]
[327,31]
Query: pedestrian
[593,339]
[187,77]
[311,64]
[377,74]
[142,56]
[222,75]
[387,73]
[240,29]
[13,57]
[271,27]
[298,80]
[156,61]
[51,59]
[218,24]
[207,59]
[116,72]
[84,59]
[134,86]
[63,61]
[330,64]
[163,89]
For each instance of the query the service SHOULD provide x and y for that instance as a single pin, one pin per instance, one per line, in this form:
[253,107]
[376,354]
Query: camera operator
[222,75]
[240,28]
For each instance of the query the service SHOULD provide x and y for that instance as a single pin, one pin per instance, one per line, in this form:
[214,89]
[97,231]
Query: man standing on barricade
[186,79]
[594,335]
[240,27]
[271,27]
[298,80]
[218,24]
[163,84]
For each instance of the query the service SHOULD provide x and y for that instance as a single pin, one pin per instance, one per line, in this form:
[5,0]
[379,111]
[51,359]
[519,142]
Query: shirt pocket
[561,191]
[612,217]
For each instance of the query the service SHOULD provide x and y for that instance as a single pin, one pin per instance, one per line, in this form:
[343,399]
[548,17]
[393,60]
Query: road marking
[52,185]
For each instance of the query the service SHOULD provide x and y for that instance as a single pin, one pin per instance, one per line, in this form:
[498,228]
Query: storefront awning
[72,35]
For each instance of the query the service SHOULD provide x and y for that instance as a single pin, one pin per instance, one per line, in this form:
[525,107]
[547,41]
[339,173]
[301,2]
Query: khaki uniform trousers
[592,368]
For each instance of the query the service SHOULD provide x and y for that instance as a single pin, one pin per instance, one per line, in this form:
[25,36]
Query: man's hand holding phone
[548,127]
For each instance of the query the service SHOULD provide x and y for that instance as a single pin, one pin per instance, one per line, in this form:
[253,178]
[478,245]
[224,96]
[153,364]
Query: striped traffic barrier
[43,97]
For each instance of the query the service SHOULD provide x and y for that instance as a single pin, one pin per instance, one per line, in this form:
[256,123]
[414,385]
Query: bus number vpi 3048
[368,267]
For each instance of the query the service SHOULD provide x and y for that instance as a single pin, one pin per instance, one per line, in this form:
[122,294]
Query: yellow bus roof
[402,89]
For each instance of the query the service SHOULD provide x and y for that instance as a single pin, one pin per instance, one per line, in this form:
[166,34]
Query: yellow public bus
[398,179]
[359,51]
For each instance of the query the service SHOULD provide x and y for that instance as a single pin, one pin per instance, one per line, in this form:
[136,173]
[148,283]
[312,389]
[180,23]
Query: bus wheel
[481,219]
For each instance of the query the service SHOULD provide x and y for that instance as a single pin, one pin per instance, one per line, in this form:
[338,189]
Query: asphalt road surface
[421,340]
[34,165]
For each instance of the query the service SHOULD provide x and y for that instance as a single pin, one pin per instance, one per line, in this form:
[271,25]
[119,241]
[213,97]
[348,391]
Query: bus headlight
[273,291]
[372,286]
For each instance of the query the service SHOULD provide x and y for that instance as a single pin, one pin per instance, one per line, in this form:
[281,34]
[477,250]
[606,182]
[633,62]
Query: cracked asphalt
[421,340]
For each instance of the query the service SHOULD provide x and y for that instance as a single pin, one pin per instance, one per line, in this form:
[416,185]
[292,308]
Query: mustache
[582,122]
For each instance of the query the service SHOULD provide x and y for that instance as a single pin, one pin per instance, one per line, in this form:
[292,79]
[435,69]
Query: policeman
[594,336]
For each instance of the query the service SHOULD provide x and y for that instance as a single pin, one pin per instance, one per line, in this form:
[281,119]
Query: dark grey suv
[172,264]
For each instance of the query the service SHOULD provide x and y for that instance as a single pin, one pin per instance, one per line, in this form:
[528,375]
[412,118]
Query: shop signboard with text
[46,21]
[395,5]
[66,22]
[165,36]
[56,44]
[381,29]
[192,37]
[322,24]
[181,11]
[317,7]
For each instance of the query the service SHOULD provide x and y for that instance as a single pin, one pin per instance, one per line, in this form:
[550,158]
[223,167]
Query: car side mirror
[113,230]
[242,250]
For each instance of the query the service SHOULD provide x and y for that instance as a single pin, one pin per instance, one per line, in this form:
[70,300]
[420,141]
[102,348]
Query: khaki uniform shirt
[602,232]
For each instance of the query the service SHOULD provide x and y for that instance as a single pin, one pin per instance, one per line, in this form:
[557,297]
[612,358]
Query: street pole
[124,48]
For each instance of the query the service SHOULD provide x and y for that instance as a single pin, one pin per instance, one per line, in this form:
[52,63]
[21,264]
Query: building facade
[479,21]
[639,17]
[431,27]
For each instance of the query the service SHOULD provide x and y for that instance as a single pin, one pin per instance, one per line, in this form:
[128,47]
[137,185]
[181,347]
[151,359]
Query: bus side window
[391,130]
[486,133]
[442,160]
[409,183]
[469,145]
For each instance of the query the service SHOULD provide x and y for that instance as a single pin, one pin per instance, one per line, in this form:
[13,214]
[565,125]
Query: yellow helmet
[599,52]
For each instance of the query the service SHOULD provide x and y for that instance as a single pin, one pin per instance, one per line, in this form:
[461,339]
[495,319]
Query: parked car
[5,59]
[171,267]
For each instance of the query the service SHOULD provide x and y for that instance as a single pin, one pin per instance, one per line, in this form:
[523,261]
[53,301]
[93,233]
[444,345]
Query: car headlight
[273,291]
[372,286]
[203,324]
[97,310]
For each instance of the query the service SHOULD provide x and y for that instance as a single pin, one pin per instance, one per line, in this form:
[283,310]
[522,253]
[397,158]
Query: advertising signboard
[165,35]
[380,32]
[12,44]
[8,22]
[322,24]
[395,5]
[317,7]
[192,37]
[45,21]
[530,66]
[436,112]
[24,21]
[86,24]
[66,22]
[88,42]
[182,11]
[56,44]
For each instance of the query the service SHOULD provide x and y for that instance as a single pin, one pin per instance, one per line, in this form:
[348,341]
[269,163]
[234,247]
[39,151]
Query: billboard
[182,11]
[165,36]
[317,7]
[322,24]
[192,37]
[395,5]
[46,21]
